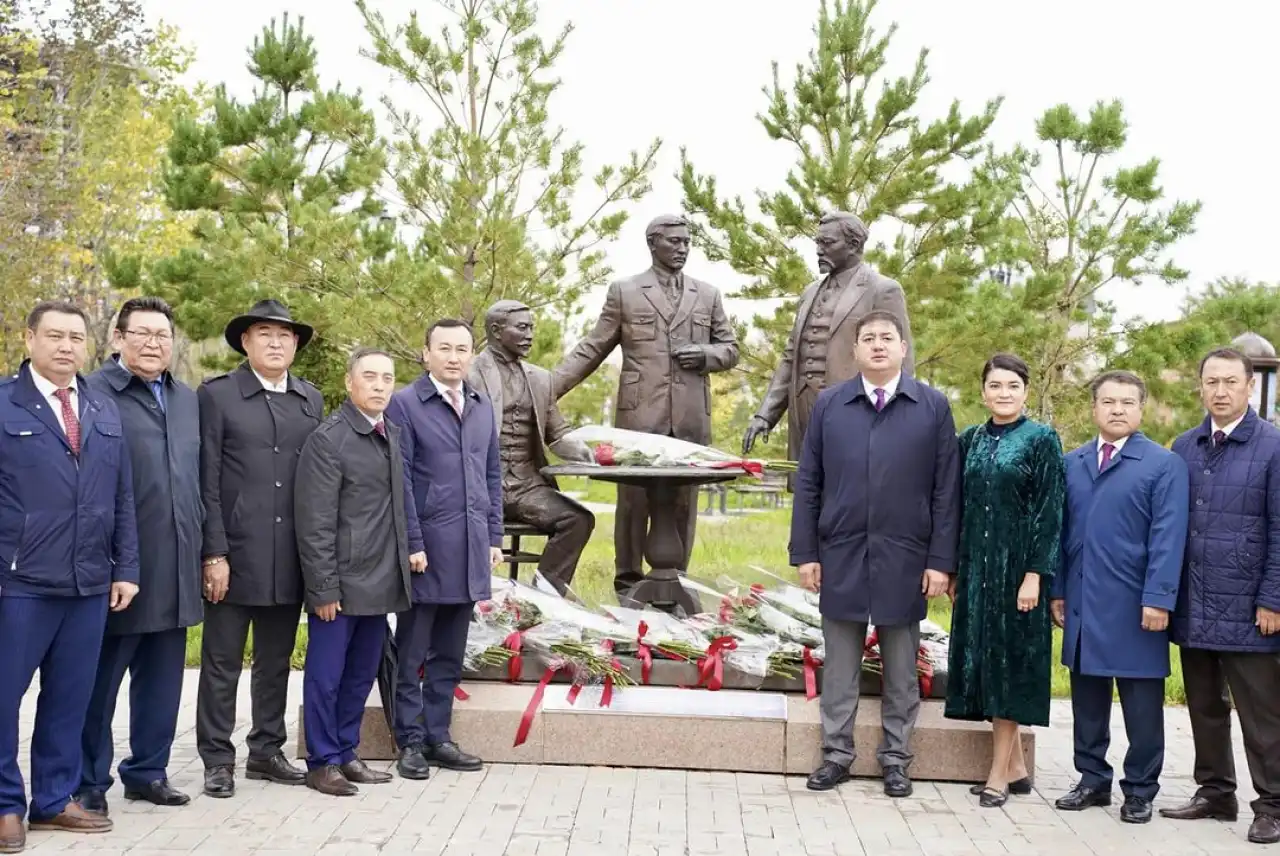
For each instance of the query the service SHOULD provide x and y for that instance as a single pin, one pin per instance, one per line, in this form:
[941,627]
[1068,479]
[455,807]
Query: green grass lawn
[724,546]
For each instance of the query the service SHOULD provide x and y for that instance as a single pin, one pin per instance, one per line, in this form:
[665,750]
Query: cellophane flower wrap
[657,634]
[619,447]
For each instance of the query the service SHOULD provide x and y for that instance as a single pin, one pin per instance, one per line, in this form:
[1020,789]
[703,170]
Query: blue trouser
[430,636]
[156,663]
[342,664]
[61,637]
[1142,703]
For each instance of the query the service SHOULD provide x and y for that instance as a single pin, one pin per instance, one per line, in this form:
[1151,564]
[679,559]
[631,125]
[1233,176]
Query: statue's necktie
[69,419]
[1107,451]
[879,399]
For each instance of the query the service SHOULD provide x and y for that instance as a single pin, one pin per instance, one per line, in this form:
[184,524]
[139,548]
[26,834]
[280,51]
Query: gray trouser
[841,674]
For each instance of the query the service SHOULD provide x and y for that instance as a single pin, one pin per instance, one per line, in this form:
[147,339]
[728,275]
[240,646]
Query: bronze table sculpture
[674,332]
[819,351]
[527,417]
[664,544]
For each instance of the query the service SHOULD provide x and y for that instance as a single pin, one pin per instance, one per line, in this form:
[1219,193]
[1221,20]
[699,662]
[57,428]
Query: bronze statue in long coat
[819,351]
[674,333]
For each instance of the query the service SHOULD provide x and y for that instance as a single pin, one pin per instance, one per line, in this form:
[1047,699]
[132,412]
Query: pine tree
[285,188]
[860,146]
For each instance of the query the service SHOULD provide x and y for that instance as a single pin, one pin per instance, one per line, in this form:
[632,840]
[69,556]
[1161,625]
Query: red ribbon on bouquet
[513,643]
[711,666]
[460,694]
[526,718]
[644,654]
[751,468]
[811,664]
[606,695]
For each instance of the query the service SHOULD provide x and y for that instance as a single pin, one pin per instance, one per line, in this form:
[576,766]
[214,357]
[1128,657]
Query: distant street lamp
[1263,356]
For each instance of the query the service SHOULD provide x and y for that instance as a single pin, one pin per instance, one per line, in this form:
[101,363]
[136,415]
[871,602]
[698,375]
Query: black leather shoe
[412,764]
[94,801]
[1204,808]
[896,783]
[359,772]
[827,776]
[1018,787]
[275,769]
[1265,829]
[1081,798]
[1136,810]
[159,792]
[220,782]
[991,798]
[449,756]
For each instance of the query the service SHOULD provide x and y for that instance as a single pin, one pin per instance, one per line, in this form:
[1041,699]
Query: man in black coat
[253,422]
[354,545]
[161,422]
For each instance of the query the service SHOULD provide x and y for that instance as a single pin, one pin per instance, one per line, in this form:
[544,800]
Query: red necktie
[69,418]
[1107,451]
[380,428]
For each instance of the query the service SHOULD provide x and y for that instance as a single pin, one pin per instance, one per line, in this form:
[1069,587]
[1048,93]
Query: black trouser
[1253,681]
[226,630]
[1142,703]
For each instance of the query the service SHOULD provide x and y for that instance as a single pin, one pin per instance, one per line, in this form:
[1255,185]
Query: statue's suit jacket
[654,394]
[552,427]
[865,291]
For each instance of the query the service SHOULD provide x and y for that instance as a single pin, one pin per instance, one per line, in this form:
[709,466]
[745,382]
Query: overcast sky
[1196,80]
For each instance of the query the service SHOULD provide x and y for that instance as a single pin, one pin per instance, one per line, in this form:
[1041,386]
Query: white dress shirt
[47,388]
[1231,426]
[281,385]
[889,388]
[1119,444]
[444,391]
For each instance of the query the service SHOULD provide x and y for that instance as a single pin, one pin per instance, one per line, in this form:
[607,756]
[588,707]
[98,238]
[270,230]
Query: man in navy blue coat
[1227,622]
[1123,533]
[68,554]
[874,528]
[453,484]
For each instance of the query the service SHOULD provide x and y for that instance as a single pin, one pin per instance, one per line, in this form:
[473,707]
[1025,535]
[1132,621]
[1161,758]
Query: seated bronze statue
[529,421]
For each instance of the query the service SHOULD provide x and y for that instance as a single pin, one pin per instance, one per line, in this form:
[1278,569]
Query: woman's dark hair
[1008,363]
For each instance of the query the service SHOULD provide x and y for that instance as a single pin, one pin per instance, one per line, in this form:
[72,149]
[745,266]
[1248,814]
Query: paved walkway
[574,811]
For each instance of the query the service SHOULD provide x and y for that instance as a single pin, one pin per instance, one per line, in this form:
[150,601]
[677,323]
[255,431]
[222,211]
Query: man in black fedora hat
[253,423]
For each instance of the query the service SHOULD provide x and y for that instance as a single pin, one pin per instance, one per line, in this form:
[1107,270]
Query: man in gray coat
[820,350]
[353,542]
[674,333]
[253,422]
[161,421]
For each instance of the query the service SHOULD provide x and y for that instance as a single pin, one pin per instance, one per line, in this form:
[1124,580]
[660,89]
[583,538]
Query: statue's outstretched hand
[757,427]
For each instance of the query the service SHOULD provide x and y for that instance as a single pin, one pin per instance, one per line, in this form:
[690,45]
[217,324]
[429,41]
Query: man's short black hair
[142,304]
[444,323]
[879,315]
[1228,354]
[1118,376]
[61,306]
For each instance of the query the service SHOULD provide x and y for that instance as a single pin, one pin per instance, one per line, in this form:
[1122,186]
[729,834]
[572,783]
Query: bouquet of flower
[485,647]
[618,447]
[873,662]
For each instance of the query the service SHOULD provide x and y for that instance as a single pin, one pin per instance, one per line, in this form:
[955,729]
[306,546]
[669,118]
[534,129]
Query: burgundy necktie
[380,428]
[879,399]
[69,418]
[1107,451]
[1219,437]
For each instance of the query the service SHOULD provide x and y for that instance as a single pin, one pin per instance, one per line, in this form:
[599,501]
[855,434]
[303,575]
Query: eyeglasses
[160,337]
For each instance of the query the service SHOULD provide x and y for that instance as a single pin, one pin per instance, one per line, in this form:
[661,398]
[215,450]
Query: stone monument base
[728,730]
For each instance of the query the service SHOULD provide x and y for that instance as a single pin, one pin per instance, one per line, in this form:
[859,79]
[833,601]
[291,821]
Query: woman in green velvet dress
[1011,526]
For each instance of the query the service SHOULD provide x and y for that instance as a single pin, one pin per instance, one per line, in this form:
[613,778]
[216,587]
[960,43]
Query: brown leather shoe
[13,835]
[1203,808]
[362,774]
[1265,829]
[330,781]
[74,819]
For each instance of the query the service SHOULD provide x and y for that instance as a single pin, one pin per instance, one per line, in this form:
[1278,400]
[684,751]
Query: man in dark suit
[820,350]
[674,333]
[875,528]
[149,640]
[253,422]
[453,483]
[527,417]
[68,554]
[353,542]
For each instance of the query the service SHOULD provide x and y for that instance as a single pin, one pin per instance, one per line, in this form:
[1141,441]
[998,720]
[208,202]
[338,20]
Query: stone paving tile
[510,810]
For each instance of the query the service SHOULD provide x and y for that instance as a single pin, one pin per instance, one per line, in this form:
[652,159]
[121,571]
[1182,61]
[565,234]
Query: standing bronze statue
[819,351]
[527,418]
[674,332]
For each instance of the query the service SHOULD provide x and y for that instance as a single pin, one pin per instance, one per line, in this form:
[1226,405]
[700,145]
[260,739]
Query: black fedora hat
[266,312]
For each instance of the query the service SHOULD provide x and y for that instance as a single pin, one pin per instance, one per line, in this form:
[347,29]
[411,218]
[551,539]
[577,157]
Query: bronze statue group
[133,508]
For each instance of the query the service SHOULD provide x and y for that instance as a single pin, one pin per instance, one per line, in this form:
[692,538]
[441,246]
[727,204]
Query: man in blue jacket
[453,502]
[1227,623]
[1123,533]
[68,553]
